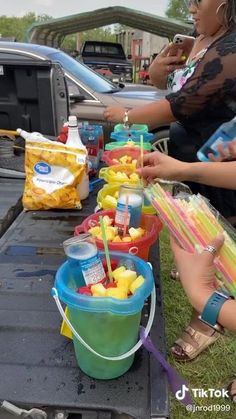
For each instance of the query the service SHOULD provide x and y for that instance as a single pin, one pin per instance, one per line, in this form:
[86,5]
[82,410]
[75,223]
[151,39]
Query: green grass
[215,367]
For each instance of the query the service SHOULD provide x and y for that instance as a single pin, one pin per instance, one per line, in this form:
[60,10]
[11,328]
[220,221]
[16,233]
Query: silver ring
[210,248]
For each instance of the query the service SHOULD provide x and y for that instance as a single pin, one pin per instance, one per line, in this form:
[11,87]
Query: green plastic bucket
[118,144]
[105,330]
[141,128]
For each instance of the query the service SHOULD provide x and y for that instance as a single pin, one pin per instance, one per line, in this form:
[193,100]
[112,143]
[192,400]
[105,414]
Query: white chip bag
[53,171]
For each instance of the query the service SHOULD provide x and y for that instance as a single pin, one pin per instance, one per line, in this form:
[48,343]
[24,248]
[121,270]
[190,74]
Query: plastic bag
[195,223]
[53,171]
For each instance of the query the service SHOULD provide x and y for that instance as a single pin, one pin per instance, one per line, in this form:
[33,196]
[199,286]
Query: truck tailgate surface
[37,364]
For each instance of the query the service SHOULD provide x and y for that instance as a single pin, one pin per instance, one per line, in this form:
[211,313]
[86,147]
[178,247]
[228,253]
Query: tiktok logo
[180,394]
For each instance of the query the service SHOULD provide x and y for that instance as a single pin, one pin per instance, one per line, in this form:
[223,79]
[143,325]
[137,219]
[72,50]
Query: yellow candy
[107,221]
[136,284]
[124,159]
[109,234]
[117,271]
[98,290]
[126,239]
[109,201]
[126,277]
[119,293]
[134,177]
[95,231]
[136,233]
[117,239]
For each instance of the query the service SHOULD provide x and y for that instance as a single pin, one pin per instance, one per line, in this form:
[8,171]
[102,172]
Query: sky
[60,8]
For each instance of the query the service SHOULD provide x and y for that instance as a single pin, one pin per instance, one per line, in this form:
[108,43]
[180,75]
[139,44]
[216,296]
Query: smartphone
[183,42]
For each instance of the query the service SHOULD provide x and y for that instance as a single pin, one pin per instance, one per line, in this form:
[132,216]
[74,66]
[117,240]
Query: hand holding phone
[182,42]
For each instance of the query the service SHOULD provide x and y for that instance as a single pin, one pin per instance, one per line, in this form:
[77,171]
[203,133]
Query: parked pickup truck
[107,58]
[38,369]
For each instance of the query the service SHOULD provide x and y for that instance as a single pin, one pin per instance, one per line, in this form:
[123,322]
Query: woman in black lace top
[206,100]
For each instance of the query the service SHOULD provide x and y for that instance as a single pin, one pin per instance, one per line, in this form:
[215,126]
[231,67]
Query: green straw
[104,238]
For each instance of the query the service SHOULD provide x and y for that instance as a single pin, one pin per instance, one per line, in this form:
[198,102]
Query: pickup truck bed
[37,365]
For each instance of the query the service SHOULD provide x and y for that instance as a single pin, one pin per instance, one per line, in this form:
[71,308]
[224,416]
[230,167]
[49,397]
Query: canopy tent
[52,32]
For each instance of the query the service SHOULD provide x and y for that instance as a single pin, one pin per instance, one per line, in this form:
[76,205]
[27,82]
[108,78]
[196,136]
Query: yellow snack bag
[53,171]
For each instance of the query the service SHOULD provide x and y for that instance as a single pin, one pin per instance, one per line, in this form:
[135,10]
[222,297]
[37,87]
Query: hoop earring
[219,7]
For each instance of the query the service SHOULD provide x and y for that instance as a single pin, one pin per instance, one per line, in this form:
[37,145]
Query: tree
[177,9]
[18,26]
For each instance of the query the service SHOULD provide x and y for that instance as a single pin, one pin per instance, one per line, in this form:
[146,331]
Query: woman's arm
[154,114]
[212,81]
[221,174]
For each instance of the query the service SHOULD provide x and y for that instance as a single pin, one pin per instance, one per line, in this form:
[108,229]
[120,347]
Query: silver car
[90,93]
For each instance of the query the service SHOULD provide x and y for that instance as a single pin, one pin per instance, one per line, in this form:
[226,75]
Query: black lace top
[208,98]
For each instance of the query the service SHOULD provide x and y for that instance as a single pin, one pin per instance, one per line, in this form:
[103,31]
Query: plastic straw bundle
[194,223]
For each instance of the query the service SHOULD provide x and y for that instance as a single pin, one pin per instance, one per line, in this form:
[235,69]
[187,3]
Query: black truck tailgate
[37,364]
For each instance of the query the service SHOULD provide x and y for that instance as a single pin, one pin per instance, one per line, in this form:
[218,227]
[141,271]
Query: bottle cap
[73,121]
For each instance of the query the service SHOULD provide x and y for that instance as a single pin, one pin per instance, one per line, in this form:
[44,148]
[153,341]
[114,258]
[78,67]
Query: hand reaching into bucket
[159,165]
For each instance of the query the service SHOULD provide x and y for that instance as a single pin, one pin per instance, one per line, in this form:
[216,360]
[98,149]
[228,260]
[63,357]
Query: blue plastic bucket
[131,135]
[108,325]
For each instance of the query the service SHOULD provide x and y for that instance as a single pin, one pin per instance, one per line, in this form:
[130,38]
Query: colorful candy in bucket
[120,174]
[148,233]
[108,195]
[129,155]
[105,330]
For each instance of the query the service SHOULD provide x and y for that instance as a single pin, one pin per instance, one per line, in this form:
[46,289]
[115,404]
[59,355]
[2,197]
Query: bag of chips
[53,171]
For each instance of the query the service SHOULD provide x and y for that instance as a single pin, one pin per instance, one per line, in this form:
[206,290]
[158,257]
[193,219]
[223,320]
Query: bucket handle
[109,358]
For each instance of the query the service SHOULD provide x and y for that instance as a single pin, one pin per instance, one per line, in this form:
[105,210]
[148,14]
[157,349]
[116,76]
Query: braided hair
[229,15]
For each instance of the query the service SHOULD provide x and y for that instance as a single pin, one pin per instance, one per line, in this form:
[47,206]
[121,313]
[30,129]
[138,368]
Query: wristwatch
[126,119]
[212,309]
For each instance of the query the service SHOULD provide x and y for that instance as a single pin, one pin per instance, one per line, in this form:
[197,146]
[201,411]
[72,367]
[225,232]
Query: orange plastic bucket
[140,247]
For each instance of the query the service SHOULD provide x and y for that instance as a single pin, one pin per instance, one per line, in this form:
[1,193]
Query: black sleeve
[213,80]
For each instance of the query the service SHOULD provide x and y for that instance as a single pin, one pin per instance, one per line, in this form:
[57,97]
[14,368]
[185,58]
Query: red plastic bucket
[140,248]
[117,153]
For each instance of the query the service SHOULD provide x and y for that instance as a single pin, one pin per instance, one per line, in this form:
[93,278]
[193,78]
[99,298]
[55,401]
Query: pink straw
[126,219]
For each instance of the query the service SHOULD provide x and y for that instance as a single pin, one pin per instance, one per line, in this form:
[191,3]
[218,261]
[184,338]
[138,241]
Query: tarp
[52,32]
